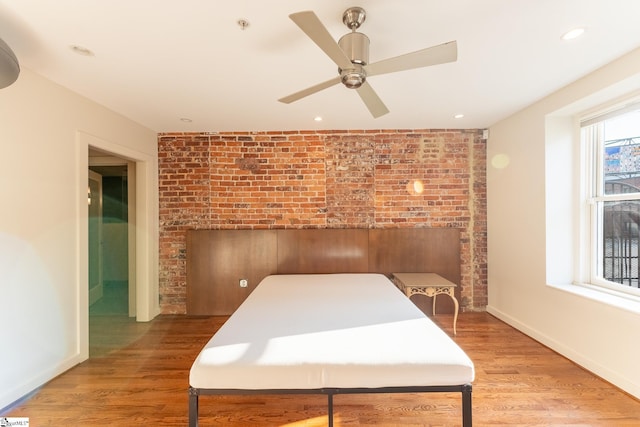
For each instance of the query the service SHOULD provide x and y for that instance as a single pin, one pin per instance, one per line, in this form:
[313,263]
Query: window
[612,172]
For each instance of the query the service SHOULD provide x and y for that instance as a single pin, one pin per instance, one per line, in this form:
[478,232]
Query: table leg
[455,312]
[434,304]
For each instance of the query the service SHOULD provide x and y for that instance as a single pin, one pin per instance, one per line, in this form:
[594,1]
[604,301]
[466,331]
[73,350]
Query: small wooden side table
[429,284]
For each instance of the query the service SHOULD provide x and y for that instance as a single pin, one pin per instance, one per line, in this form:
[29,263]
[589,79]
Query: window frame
[592,143]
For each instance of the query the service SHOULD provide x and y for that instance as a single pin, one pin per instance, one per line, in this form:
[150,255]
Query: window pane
[622,154]
[621,168]
[621,237]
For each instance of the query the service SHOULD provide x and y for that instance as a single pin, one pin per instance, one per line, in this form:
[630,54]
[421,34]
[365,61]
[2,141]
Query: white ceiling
[157,61]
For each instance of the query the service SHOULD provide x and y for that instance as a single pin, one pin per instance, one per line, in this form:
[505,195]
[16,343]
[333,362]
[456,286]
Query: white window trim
[592,194]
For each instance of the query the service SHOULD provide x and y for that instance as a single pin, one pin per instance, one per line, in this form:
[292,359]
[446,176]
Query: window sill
[630,303]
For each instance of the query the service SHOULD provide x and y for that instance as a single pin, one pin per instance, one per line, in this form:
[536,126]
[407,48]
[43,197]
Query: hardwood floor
[138,375]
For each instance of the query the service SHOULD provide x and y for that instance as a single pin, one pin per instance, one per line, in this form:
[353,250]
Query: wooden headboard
[218,259]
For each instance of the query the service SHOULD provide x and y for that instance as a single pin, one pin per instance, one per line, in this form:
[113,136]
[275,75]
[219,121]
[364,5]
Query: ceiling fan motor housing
[356,46]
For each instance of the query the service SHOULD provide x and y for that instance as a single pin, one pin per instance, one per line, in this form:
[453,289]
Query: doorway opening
[108,241]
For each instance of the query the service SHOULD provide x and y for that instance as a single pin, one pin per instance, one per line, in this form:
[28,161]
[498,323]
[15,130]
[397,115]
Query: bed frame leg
[466,406]
[193,407]
[330,408]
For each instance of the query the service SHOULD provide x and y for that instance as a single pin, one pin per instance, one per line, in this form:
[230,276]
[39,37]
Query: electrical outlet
[244,283]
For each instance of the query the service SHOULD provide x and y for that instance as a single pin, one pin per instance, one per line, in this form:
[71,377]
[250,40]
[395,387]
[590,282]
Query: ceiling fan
[351,55]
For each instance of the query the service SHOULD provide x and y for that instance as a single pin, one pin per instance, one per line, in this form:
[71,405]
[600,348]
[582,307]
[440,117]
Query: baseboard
[578,358]
[95,293]
[9,398]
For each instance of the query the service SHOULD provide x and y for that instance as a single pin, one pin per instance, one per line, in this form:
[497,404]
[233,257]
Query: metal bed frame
[465,390]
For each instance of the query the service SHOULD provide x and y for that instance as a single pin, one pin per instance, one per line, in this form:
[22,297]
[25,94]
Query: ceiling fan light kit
[351,55]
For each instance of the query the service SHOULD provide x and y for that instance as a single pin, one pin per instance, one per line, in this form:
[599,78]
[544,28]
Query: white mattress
[329,330]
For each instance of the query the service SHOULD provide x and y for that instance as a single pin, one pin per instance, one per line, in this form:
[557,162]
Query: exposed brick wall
[322,179]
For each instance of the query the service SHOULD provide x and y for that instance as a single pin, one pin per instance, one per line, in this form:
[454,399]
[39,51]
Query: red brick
[322,179]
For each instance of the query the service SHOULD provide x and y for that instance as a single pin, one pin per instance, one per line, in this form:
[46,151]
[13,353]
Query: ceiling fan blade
[372,100]
[310,90]
[440,54]
[311,25]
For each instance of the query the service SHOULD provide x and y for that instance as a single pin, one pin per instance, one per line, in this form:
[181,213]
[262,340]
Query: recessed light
[317,118]
[458,116]
[81,50]
[573,34]
[185,119]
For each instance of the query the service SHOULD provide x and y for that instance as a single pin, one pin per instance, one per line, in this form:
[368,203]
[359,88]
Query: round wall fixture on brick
[415,187]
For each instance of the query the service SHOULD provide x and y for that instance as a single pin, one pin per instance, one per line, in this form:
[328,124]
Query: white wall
[45,131]
[533,213]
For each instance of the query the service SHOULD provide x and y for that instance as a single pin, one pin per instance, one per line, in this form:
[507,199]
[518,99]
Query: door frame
[146,231]
[96,292]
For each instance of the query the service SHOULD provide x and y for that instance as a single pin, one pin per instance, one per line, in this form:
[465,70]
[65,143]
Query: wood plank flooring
[138,375]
